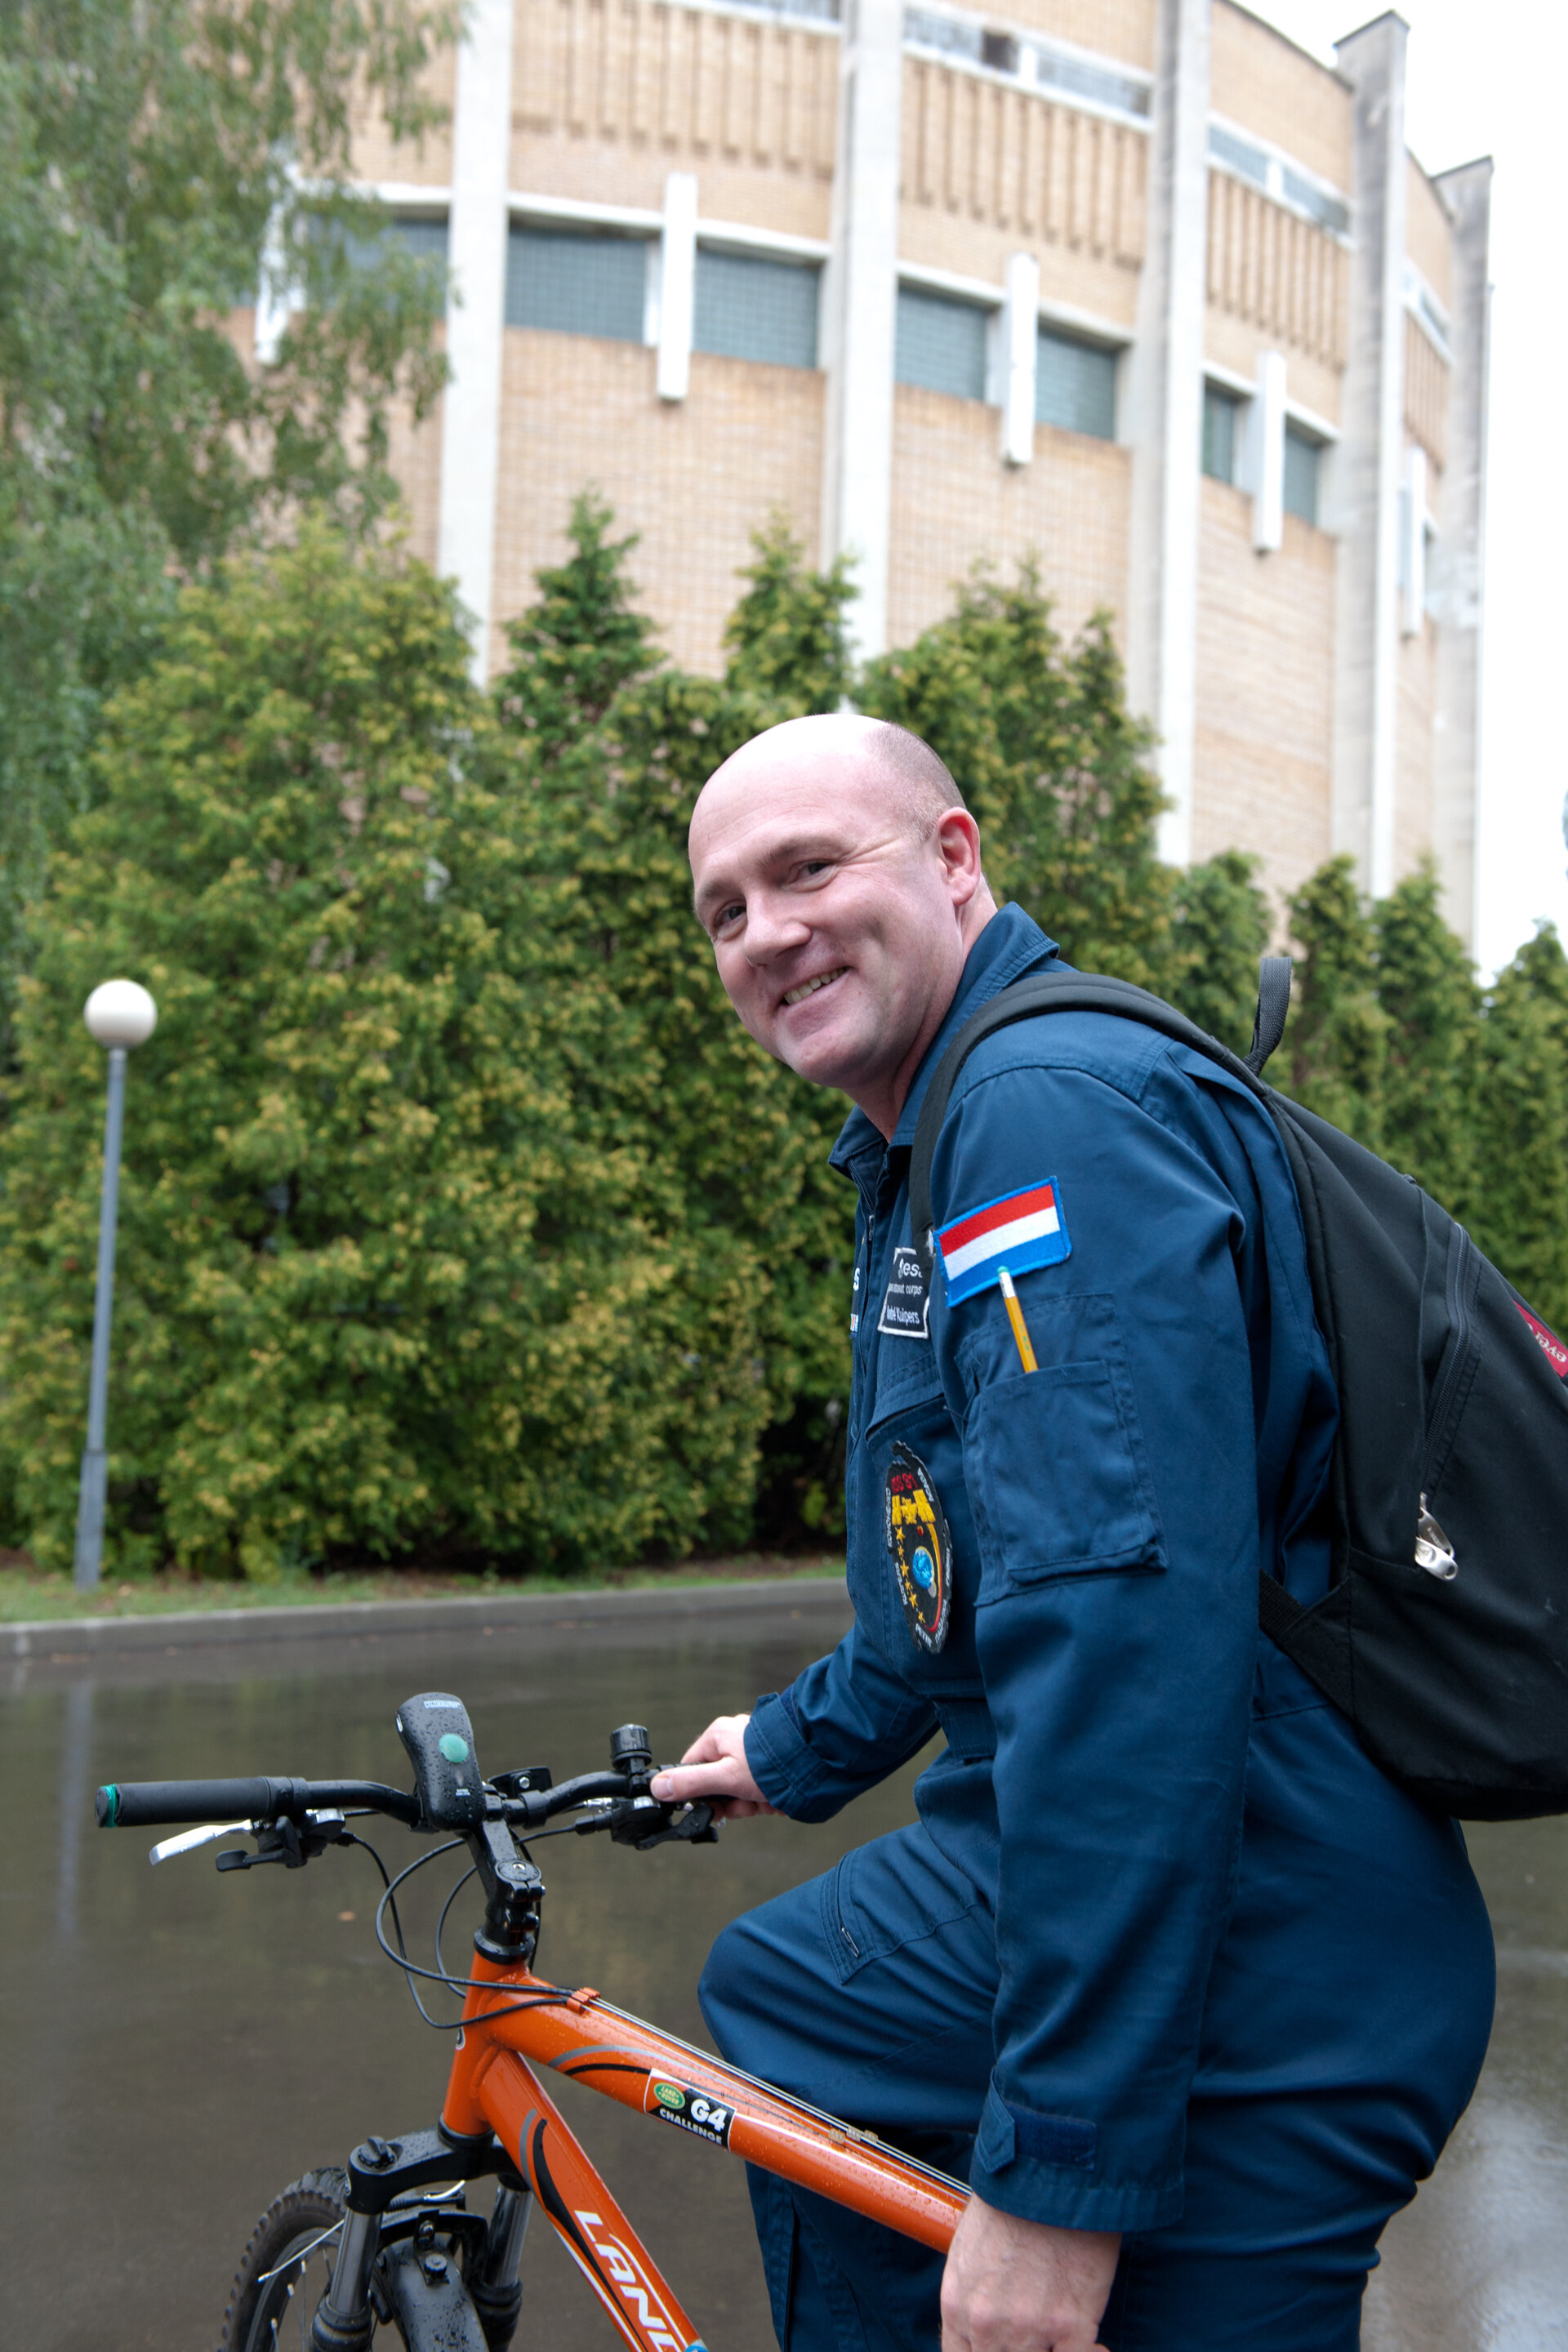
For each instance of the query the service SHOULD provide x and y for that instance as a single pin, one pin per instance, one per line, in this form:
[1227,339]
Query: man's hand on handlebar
[714,1767]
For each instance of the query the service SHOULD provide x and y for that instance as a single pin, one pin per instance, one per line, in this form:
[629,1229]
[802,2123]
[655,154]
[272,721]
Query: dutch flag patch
[1020,1231]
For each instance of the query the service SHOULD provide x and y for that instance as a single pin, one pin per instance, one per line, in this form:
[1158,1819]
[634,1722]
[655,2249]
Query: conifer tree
[1428,991]
[1048,757]
[1219,928]
[786,638]
[1336,1043]
[581,643]
[731,1148]
[381,1288]
[460,1215]
[1518,1207]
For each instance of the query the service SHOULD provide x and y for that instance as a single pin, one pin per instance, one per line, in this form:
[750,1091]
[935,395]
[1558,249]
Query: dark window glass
[425,239]
[1075,385]
[420,238]
[1222,410]
[1301,475]
[940,344]
[1000,51]
[578,284]
[750,308]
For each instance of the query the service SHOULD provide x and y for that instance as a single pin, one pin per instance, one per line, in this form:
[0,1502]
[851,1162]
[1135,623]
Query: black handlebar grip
[156,1804]
[434,1728]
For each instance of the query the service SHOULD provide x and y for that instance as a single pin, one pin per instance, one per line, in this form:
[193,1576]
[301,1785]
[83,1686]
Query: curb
[61,1639]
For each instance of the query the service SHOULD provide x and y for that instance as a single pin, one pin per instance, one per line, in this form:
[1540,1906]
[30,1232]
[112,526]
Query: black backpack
[1444,1635]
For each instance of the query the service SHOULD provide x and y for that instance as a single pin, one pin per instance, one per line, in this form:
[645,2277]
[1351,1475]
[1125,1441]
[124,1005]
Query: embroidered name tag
[905,1300]
[1020,1231]
[922,1549]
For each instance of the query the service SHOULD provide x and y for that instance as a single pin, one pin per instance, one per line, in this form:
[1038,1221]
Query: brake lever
[697,1826]
[287,1842]
[628,1822]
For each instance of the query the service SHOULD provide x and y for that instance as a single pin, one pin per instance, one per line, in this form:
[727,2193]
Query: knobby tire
[274,2313]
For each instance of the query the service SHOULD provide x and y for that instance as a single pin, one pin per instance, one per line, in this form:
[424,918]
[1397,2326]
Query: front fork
[436,2306]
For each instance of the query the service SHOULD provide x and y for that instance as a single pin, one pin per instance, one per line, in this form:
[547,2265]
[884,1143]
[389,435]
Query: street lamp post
[121,1015]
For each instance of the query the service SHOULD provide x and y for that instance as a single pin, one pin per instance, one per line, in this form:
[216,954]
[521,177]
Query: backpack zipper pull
[1434,1552]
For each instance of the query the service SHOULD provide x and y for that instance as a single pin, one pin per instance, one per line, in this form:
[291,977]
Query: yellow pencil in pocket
[1015,1316]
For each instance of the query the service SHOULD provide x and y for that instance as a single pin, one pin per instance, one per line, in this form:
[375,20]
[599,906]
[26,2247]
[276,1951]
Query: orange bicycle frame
[495,2088]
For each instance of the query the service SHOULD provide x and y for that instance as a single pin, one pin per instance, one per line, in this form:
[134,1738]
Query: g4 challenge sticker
[921,1547]
[690,2110]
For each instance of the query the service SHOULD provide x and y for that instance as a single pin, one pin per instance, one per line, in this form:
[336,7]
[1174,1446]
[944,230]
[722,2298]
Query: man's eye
[728,914]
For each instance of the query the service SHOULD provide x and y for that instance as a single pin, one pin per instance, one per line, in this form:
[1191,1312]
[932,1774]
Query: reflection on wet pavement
[177,2046]
[1479,2262]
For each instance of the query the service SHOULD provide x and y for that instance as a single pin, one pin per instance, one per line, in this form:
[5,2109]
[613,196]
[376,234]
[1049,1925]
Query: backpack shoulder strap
[1273,1004]
[1064,991]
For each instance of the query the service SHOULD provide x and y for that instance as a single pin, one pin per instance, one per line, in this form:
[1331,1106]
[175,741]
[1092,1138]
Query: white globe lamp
[120,1013]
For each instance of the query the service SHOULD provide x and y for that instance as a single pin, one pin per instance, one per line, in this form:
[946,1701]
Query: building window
[1222,414]
[940,344]
[749,308]
[578,284]
[1075,385]
[1301,457]
[422,239]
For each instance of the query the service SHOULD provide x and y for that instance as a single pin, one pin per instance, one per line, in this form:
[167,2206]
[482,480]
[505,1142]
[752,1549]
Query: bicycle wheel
[285,2270]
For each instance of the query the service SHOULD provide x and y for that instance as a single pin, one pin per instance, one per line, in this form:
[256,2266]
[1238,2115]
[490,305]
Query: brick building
[1133,284]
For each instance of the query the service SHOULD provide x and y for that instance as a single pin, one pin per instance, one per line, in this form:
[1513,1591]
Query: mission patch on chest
[921,1547]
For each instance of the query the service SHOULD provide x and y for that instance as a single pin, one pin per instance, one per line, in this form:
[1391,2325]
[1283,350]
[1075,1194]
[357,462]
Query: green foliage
[459,1214]
[1518,1209]
[1336,1044]
[1054,768]
[582,642]
[157,150]
[732,1148]
[1391,1038]
[1219,929]
[379,1284]
[786,636]
[1427,991]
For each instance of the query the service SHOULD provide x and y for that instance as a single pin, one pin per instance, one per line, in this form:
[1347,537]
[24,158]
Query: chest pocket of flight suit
[1059,1477]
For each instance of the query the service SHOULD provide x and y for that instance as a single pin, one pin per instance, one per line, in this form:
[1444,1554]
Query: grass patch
[26,1596]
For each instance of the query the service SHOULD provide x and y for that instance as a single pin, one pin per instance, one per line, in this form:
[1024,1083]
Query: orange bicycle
[386,2241]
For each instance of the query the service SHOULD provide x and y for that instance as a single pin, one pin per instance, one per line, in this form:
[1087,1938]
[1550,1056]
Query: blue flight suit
[1165,1953]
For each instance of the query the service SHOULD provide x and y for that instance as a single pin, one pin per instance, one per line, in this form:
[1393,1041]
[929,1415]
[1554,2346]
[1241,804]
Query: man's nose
[774,927]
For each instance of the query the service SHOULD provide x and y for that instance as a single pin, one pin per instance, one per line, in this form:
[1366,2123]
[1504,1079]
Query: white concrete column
[1020,358]
[1266,454]
[1458,552]
[1368,462]
[1165,414]
[476,260]
[1412,543]
[860,312]
[677,284]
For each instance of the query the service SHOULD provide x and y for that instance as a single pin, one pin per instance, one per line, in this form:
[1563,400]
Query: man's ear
[958,846]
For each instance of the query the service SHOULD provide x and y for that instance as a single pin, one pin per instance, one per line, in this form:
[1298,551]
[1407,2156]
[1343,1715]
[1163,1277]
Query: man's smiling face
[840,921]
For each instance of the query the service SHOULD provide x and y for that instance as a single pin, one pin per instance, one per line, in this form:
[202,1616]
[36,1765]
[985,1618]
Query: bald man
[1189,1992]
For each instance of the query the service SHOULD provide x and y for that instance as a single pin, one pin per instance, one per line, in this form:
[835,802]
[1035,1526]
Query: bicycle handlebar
[171,1804]
[450,1792]
[157,1804]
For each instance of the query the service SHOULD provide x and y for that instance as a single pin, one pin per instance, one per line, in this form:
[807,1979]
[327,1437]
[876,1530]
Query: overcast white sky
[1489,80]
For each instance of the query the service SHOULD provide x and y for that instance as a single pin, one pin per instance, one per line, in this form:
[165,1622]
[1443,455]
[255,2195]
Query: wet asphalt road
[176,2046]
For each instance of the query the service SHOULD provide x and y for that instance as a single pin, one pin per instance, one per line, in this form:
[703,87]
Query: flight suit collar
[1010,945]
